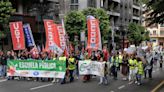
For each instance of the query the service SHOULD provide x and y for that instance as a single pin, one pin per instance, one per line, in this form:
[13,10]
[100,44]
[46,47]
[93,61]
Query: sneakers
[138,84]
[124,79]
[53,81]
[100,83]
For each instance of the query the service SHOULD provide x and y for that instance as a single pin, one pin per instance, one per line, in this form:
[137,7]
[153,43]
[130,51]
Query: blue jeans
[1,70]
[71,75]
[4,70]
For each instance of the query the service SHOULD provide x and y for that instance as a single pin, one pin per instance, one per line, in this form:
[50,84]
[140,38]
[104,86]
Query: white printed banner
[91,67]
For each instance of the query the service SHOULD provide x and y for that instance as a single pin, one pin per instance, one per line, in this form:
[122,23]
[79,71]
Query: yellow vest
[115,62]
[120,58]
[54,58]
[140,67]
[71,64]
[62,58]
[132,63]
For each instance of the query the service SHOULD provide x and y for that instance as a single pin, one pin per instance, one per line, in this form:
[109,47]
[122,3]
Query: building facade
[32,12]
[156,33]
[121,12]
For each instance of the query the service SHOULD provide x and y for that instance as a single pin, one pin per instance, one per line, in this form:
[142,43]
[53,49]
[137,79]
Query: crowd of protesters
[131,66]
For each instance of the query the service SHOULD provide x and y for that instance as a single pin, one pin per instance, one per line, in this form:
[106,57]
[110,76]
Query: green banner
[41,68]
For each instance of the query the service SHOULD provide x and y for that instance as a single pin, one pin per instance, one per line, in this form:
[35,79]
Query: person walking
[103,80]
[4,64]
[1,66]
[86,78]
[125,67]
[161,61]
[55,80]
[140,71]
[71,67]
[132,68]
[114,66]
[64,59]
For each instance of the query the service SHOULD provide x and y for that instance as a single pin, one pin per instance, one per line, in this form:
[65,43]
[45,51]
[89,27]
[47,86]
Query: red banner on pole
[17,35]
[61,36]
[48,24]
[56,34]
[94,37]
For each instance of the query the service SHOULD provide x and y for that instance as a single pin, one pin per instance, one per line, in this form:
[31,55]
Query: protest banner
[28,35]
[91,67]
[94,36]
[36,68]
[17,35]
[50,29]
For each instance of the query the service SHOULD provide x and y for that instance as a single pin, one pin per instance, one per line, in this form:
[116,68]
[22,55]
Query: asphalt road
[78,86]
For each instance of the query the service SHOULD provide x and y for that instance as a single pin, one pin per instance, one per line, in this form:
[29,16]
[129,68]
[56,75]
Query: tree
[103,17]
[155,10]
[74,23]
[5,12]
[136,33]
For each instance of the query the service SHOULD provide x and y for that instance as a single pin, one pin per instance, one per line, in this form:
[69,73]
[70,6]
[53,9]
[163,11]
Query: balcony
[136,7]
[157,35]
[118,1]
[113,13]
[136,14]
[136,18]
[153,35]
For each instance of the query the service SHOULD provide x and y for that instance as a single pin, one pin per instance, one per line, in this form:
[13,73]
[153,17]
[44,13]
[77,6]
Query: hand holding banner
[91,67]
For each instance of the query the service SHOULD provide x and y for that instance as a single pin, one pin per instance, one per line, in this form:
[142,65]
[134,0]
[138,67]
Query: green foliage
[2,35]
[74,23]
[155,10]
[103,17]
[146,36]
[5,11]
[136,33]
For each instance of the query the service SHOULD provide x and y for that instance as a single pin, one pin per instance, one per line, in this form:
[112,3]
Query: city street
[78,86]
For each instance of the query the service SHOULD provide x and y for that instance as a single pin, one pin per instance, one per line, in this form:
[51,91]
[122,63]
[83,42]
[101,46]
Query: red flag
[43,49]
[48,24]
[17,35]
[61,36]
[56,34]
[94,37]
[34,51]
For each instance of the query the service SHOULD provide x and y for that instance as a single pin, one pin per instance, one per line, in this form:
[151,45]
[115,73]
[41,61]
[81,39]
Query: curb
[157,88]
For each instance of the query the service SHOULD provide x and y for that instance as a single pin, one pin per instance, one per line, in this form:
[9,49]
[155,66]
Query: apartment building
[122,12]
[156,33]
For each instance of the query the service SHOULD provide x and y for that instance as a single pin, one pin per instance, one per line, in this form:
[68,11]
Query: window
[74,5]
[162,32]
[74,1]
[91,3]
[162,25]
[154,32]
[161,43]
